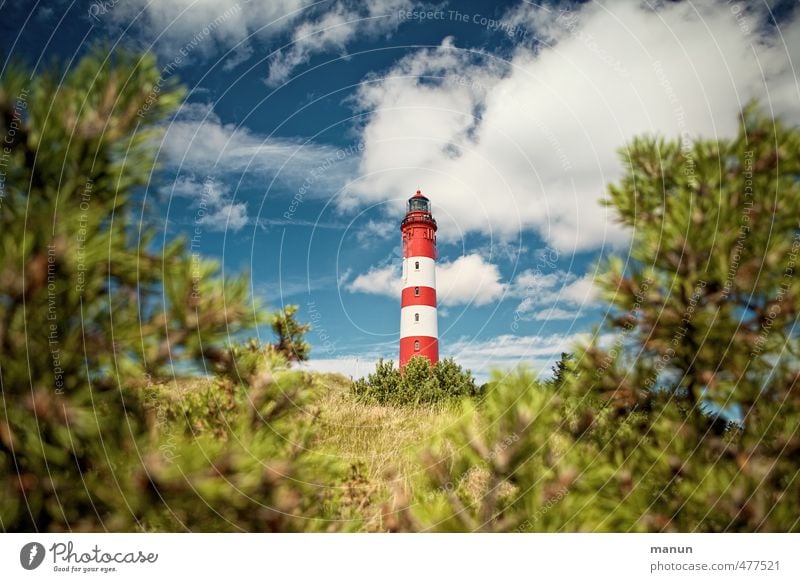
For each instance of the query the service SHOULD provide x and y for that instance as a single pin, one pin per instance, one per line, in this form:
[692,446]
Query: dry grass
[381,443]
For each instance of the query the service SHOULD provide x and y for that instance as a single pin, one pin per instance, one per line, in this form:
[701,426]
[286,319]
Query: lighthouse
[419,328]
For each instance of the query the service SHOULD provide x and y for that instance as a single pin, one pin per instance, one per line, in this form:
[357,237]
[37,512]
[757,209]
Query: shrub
[94,317]
[418,383]
[561,369]
[290,334]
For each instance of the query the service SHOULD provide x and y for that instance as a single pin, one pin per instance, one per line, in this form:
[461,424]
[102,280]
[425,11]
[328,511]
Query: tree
[453,380]
[688,420]
[560,369]
[94,317]
[290,334]
[709,294]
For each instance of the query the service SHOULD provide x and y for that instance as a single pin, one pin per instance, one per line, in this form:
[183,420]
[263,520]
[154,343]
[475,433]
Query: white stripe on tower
[419,328]
[419,320]
[424,276]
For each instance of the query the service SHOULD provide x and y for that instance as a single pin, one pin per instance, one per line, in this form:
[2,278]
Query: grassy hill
[380,444]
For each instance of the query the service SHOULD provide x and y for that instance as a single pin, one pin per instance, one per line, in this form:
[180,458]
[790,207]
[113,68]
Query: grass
[381,444]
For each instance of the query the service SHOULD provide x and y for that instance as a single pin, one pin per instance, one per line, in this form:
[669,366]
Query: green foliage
[688,420]
[533,459]
[710,289]
[237,454]
[562,368]
[290,334]
[418,383]
[94,316]
[381,386]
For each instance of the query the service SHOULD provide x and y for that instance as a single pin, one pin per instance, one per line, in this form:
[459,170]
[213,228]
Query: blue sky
[309,124]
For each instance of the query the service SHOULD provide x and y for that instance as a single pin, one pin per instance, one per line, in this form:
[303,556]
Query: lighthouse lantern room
[419,330]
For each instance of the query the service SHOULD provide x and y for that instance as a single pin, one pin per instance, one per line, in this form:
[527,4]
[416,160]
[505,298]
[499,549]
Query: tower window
[416,265]
[416,291]
[416,345]
[418,203]
[416,317]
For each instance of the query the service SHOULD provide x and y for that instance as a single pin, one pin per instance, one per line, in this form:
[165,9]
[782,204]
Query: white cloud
[332,31]
[174,24]
[581,291]
[554,313]
[202,27]
[214,207]
[376,230]
[506,352]
[240,55]
[553,295]
[532,143]
[350,366]
[230,216]
[469,280]
[198,142]
[378,281]
[44,13]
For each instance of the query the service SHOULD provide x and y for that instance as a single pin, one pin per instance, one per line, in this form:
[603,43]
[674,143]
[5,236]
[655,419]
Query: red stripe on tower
[419,329]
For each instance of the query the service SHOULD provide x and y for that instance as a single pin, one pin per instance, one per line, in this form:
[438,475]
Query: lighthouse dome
[419,202]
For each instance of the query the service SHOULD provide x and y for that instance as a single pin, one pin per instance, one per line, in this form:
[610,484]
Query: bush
[94,316]
[234,454]
[417,383]
[290,334]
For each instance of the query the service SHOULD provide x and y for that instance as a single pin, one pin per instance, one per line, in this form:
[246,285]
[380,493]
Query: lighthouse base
[419,346]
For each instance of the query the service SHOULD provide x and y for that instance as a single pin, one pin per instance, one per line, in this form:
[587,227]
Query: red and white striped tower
[419,328]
